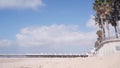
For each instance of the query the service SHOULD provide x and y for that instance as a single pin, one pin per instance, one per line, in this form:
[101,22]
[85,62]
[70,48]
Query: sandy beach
[89,62]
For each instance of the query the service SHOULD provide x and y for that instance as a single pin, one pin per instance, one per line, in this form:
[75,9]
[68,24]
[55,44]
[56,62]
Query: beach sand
[112,61]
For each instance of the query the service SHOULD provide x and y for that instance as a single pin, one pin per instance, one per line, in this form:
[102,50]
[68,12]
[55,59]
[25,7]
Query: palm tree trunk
[103,29]
[104,32]
[118,9]
[118,28]
[116,31]
[108,29]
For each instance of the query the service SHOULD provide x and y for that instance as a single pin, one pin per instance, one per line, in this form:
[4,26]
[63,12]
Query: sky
[46,26]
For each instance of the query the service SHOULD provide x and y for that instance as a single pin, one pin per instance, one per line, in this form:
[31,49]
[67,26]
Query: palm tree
[100,9]
[107,12]
[114,17]
[118,14]
[108,9]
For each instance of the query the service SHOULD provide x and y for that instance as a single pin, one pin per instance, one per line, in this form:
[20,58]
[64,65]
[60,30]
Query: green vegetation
[107,12]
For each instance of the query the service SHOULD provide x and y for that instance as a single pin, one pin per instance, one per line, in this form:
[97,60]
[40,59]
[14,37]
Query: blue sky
[48,26]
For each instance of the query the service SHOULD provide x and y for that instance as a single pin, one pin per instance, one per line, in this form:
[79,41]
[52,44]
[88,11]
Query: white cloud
[34,4]
[91,23]
[54,35]
[5,43]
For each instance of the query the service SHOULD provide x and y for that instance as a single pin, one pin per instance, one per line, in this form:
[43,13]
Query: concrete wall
[109,48]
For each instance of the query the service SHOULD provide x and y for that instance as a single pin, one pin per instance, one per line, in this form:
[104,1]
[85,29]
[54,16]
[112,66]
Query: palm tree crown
[107,12]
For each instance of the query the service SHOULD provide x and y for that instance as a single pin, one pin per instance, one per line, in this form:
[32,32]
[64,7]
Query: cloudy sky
[46,26]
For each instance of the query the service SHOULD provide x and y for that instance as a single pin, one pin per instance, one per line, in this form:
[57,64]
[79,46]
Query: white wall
[109,49]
